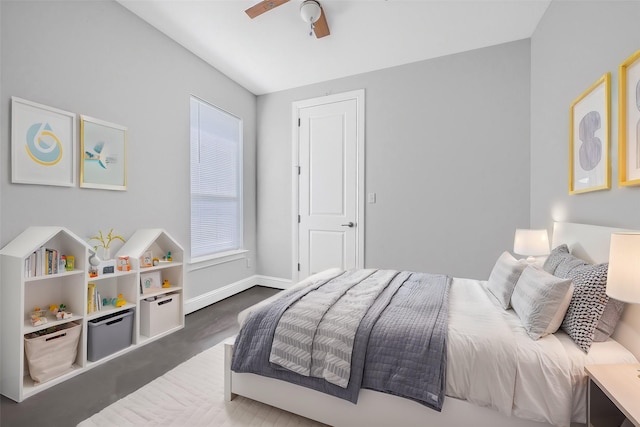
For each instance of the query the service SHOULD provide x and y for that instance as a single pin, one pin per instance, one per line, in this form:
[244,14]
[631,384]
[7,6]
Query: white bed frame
[380,409]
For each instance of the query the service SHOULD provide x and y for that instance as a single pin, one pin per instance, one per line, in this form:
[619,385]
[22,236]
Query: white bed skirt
[373,408]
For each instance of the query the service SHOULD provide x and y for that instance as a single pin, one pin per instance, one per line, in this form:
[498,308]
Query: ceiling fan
[310,11]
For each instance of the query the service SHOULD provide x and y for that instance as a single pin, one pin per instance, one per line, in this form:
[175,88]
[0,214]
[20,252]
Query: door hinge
[298,219]
[298,170]
[298,121]
[298,266]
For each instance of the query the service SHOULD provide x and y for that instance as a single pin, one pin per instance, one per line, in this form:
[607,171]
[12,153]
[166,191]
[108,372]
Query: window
[216,180]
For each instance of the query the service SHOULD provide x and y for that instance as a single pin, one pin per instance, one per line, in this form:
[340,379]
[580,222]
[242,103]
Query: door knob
[349,224]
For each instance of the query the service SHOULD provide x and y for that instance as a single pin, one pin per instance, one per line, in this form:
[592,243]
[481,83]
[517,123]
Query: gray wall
[574,44]
[447,152]
[97,58]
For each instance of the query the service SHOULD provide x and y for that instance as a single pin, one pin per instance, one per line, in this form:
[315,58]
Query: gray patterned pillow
[587,303]
[554,259]
[613,309]
[568,264]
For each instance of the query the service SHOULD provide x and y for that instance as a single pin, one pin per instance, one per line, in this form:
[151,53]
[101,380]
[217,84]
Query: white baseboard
[273,282]
[201,301]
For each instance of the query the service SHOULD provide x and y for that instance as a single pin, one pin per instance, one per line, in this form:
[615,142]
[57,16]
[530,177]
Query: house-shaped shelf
[24,289]
[159,260]
[154,240]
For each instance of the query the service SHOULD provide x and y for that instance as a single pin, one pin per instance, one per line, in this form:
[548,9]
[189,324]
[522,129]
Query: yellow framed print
[590,130]
[629,121]
[103,148]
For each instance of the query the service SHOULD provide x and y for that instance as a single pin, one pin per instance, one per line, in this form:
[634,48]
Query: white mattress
[492,362]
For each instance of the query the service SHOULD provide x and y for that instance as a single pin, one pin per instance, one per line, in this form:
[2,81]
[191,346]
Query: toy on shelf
[156,261]
[123,263]
[38,317]
[94,262]
[64,315]
[120,302]
[167,257]
[70,262]
[166,283]
[60,311]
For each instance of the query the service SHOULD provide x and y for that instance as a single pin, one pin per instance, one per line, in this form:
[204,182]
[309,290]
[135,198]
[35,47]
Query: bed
[530,396]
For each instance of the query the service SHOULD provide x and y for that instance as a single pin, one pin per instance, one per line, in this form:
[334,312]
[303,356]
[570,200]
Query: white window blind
[216,180]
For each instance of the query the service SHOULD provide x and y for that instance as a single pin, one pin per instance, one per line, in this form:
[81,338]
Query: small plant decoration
[105,242]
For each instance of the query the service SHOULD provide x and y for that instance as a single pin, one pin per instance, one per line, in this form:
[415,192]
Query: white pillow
[556,322]
[504,276]
[539,299]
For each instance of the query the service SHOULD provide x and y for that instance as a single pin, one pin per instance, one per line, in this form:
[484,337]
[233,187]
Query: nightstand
[613,394]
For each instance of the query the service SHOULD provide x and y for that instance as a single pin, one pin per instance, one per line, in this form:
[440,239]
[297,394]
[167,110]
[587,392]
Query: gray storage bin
[109,334]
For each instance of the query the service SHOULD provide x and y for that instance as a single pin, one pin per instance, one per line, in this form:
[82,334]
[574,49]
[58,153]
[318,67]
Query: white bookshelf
[159,243]
[21,294]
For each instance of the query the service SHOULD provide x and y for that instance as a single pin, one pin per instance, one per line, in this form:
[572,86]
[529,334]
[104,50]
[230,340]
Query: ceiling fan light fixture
[310,11]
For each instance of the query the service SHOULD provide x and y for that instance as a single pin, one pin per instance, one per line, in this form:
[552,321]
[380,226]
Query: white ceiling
[274,51]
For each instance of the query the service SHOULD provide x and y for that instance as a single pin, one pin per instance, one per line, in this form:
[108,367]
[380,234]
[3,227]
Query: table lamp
[623,278]
[532,243]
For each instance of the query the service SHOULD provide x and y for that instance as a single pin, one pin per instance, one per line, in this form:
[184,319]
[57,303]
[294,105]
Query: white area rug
[191,394]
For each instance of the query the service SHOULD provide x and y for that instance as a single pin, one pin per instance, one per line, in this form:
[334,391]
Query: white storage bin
[160,315]
[51,353]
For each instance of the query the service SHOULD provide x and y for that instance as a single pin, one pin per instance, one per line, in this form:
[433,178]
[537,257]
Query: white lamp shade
[531,242]
[310,11]
[623,278]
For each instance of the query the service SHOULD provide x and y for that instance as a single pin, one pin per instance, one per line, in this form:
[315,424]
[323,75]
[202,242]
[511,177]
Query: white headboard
[591,243]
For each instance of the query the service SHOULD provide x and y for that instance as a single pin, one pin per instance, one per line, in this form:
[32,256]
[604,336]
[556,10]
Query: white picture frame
[43,144]
[150,282]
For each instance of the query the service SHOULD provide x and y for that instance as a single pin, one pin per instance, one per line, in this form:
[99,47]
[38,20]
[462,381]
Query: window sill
[215,259]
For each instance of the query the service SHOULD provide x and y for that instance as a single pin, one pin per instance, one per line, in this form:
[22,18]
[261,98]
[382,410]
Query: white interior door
[329,210]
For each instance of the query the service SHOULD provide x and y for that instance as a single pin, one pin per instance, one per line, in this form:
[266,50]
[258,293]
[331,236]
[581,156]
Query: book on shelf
[91,298]
[42,262]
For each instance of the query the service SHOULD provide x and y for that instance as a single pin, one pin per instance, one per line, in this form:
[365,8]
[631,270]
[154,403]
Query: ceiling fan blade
[263,6]
[320,27]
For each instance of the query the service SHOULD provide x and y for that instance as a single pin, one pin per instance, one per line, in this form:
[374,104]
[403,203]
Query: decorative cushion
[538,299]
[504,276]
[608,320]
[557,255]
[567,265]
[587,304]
[556,322]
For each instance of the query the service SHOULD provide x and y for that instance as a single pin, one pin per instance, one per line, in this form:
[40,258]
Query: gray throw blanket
[399,347]
[315,336]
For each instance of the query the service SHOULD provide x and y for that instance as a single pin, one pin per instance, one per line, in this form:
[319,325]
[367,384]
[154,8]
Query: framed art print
[589,124]
[150,282]
[43,144]
[103,148]
[629,121]
[146,260]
